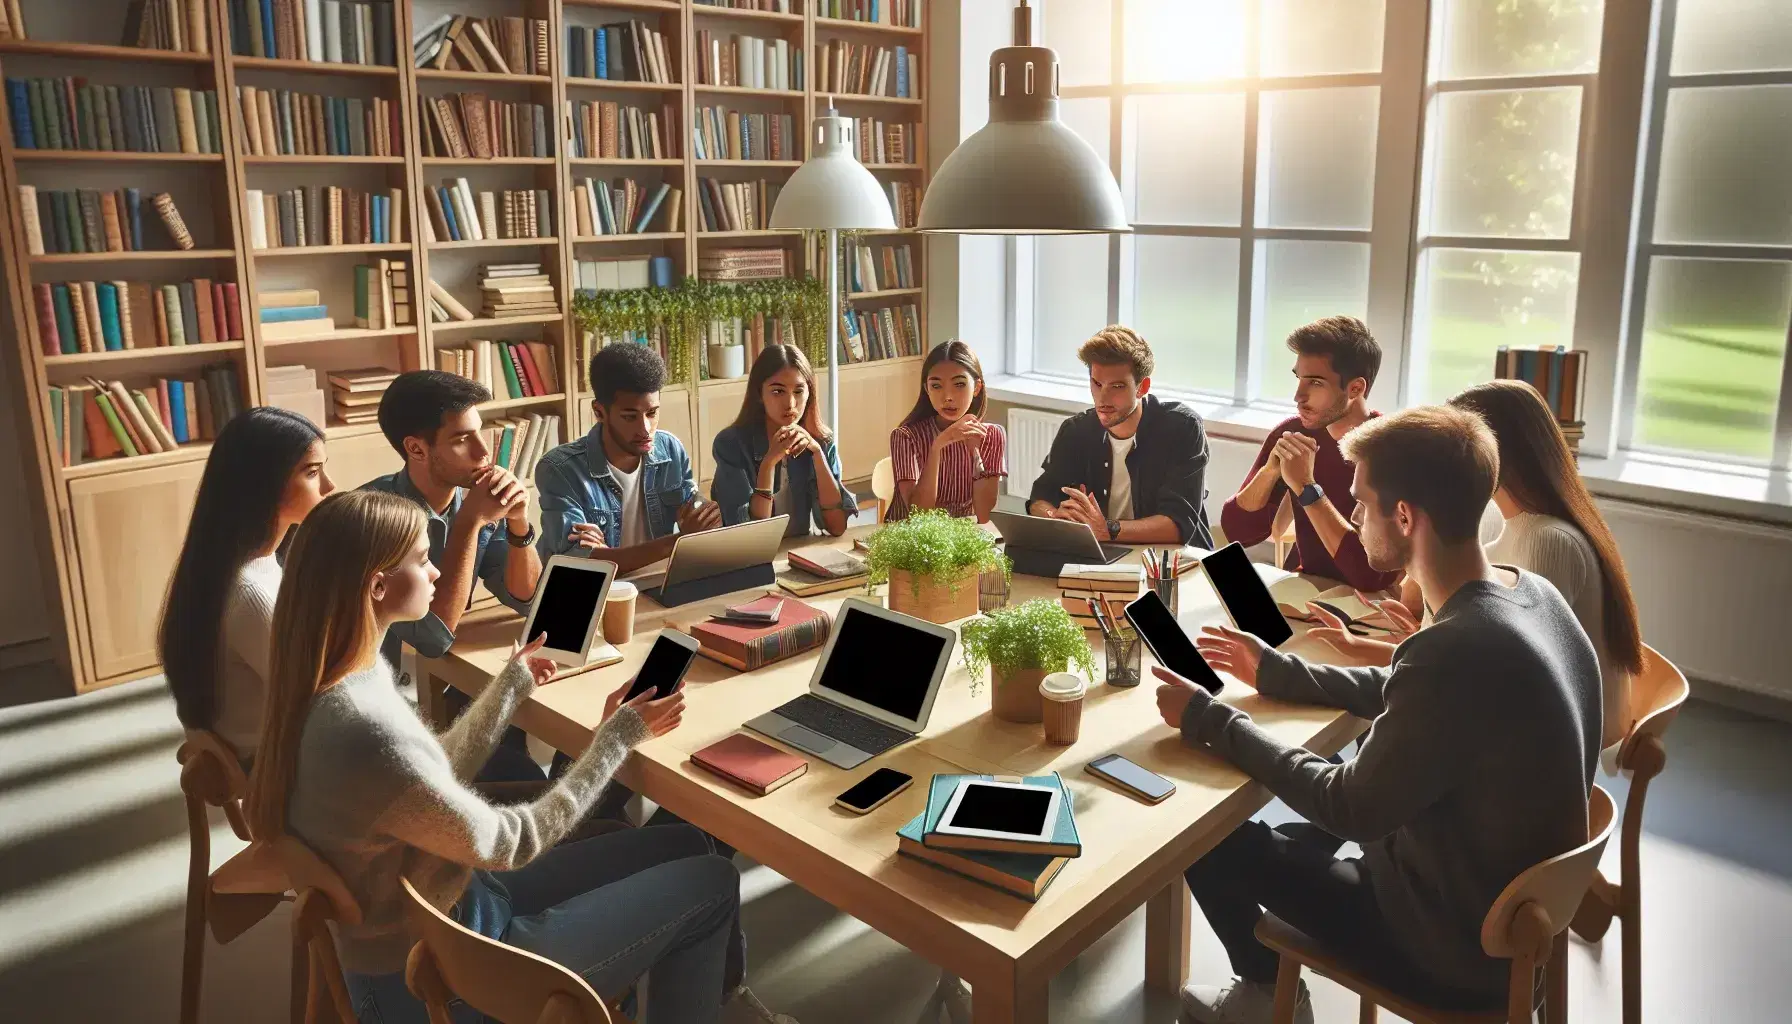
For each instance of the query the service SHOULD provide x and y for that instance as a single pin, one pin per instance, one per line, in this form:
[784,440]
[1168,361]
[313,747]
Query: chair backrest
[1656,696]
[1554,887]
[211,774]
[307,871]
[501,981]
[883,479]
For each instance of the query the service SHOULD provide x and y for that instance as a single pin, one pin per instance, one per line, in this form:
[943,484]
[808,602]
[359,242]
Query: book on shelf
[887,142]
[517,443]
[296,389]
[504,46]
[900,13]
[112,316]
[883,332]
[723,134]
[1558,374]
[443,306]
[624,206]
[294,313]
[798,628]
[474,126]
[87,220]
[508,369]
[621,273]
[281,122]
[867,69]
[101,419]
[458,214]
[1026,875]
[607,130]
[628,51]
[872,268]
[355,394]
[158,25]
[319,31]
[905,202]
[736,205]
[73,114]
[770,6]
[748,62]
[324,215]
[1064,842]
[516,289]
[751,264]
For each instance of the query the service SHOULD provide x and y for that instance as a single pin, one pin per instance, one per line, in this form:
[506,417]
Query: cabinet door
[718,403]
[355,460]
[128,532]
[873,399]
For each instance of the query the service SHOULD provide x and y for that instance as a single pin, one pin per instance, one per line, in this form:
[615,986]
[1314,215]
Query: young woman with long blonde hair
[346,766]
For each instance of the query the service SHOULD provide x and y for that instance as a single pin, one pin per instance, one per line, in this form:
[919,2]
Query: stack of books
[903,13]
[770,6]
[150,24]
[516,289]
[629,51]
[1023,869]
[883,333]
[295,389]
[325,31]
[820,569]
[723,134]
[905,202]
[619,131]
[382,295]
[1113,585]
[748,62]
[508,369]
[294,313]
[281,122]
[100,419]
[443,306]
[519,443]
[736,205]
[458,214]
[624,207]
[621,273]
[863,69]
[355,394]
[890,142]
[880,268]
[504,46]
[473,125]
[111,316]
[324,215]
[69,113]
[87,220]
[799,627]
[743,264]
[1559,375]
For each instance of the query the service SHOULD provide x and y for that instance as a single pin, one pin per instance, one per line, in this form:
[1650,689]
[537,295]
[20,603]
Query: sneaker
[1240,1002]
[745,1008]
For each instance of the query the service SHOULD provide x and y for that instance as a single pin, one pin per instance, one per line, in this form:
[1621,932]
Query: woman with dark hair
[264,475]
[943,453]
[777,458]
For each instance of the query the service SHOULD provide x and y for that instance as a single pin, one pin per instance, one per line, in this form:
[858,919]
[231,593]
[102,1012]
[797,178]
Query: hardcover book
[800,627]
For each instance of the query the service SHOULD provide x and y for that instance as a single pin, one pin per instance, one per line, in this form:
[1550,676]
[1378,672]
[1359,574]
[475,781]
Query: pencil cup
[1062,695]
[1168,591]
[619,613]
[992,591]
[1125,657]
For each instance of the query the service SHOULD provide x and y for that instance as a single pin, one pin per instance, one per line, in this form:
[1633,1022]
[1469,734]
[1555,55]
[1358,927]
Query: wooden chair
[883,484]
[500,981]
[319,994]
[1526,925]
[1281,530]
[1656,694]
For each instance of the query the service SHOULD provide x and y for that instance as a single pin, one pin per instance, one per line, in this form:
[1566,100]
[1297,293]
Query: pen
[1101,621]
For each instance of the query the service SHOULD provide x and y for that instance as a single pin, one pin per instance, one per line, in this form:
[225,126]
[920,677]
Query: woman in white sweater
[348,767]
[265,473]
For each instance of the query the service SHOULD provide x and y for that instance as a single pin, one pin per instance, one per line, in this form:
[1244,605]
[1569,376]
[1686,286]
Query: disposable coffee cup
[619,613]
[1062,694]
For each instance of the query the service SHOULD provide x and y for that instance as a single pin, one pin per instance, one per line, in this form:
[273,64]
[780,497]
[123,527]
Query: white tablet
[569,607]
[1002,810]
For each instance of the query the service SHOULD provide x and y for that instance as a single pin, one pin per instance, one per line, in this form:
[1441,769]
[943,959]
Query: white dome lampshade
[832,189]
[1023,173]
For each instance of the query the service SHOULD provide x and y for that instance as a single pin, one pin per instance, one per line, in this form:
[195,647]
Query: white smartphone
[569,607]
[666,664]
[1146,785]
[873,791]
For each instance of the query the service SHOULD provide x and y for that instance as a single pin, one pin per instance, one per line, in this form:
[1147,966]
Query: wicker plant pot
[932,601]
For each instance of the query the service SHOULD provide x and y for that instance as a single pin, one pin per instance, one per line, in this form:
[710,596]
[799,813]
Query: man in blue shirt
[626,485]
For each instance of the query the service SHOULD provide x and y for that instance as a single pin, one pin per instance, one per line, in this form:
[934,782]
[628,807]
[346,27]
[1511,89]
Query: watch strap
[519,542]
[1310,494]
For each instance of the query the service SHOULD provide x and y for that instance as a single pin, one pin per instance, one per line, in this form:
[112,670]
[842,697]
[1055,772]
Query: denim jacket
[575,485]
[738,453]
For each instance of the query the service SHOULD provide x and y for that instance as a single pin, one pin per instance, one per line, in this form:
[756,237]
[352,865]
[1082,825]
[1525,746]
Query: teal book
[1065,841]
[1023,874]
[109,329]
[65,319]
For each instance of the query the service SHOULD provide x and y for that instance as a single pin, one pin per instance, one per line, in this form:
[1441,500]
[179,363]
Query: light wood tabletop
[1008,949]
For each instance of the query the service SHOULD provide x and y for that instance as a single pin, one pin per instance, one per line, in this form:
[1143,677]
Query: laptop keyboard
[836,722]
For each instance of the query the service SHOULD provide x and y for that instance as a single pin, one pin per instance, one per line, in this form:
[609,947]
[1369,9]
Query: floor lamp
[833,192]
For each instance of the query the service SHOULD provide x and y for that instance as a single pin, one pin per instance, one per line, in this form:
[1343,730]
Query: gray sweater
[379,797]
[1476,766]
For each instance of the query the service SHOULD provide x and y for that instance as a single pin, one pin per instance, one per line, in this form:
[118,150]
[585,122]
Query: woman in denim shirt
[777,458]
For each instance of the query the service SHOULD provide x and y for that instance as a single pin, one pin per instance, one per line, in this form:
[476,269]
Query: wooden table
[1008,949]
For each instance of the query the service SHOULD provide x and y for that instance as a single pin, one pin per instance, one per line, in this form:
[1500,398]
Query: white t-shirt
[246,633]
[1120,483]
[634,506]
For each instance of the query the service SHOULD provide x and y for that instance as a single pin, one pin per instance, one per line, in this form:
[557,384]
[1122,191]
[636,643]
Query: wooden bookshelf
[97,519]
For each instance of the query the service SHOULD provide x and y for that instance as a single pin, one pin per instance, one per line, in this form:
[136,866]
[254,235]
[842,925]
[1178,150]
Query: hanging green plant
[679,314]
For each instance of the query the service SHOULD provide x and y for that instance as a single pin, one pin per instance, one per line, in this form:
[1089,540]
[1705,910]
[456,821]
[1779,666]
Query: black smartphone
[1147,786]
[666,664]
[874,791]
[1169,644]
[1248,602]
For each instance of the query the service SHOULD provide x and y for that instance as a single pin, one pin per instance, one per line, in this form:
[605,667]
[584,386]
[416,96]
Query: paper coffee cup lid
[1062,686]
[620,590]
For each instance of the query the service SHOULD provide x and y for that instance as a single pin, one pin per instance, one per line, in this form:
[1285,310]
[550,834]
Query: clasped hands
[694,516]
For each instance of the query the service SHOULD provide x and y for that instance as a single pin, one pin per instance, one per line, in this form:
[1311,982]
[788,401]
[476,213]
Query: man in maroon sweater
[1336,360]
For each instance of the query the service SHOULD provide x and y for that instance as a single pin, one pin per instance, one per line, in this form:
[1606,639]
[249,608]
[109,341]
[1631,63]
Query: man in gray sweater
[1477,765]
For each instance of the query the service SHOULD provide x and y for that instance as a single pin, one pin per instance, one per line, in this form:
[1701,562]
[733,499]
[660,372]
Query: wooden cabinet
[128,532]
[873,399]
[355,460]
[718,403]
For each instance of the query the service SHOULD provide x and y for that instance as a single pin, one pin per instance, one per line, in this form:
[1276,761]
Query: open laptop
[1040,547]
[872,690]
[713,553]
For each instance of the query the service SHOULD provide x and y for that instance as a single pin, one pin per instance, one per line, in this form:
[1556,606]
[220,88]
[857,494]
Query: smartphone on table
[1147,786]
[665,666]
[874,791]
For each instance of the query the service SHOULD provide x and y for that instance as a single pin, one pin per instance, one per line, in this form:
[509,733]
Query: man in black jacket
[1133,468]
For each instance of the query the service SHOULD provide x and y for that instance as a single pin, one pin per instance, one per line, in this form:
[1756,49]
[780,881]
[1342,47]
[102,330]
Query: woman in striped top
[944,454]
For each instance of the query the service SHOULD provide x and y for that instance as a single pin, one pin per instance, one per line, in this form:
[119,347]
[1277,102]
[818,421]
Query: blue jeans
[647,901]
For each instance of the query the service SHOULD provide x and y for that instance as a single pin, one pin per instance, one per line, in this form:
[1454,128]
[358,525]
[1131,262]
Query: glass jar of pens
[1122,651]
[1162,571]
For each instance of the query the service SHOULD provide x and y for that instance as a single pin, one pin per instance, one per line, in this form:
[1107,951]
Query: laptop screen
[884,663]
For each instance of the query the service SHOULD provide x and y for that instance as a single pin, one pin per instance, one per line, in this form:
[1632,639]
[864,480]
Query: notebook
[749,763]
[1024,874]
[1065,840]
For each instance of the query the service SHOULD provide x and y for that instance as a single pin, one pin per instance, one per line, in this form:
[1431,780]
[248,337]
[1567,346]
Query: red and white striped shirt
[961,466]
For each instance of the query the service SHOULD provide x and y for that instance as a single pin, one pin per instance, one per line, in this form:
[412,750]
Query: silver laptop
[698,556]
[1073,540]
[872,690]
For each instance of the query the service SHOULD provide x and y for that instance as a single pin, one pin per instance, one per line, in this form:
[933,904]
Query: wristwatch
[1309,494]
[1113,529]
[761,492]
[520,542]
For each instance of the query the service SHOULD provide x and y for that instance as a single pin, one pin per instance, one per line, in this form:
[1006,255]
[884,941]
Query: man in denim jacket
[625,486]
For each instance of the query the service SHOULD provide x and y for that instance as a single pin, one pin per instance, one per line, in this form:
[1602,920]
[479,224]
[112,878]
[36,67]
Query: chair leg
[1367,1012]
[301,978]
[1520,990]
[1631,961]
[199,867]
[1555,1000]
[1287,990]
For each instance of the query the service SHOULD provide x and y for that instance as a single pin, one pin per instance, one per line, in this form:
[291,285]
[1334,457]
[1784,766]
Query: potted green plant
[931,562]
[1020,646]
